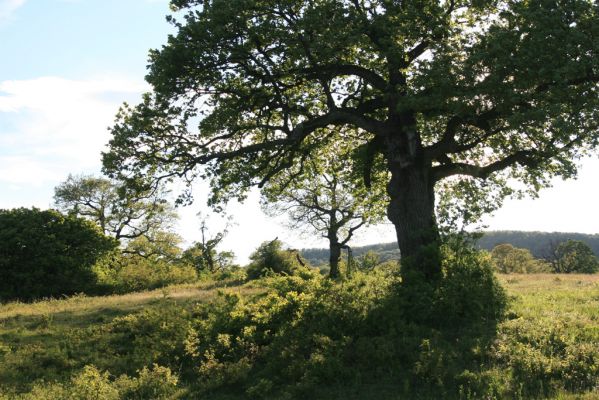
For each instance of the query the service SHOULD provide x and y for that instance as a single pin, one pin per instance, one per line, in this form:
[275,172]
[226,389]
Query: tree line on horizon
[540,245]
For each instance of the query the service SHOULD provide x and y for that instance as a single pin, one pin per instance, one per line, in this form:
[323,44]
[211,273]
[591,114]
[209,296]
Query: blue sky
[67,65]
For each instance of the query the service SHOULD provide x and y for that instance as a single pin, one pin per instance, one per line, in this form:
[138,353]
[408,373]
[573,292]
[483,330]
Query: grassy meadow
[138,346]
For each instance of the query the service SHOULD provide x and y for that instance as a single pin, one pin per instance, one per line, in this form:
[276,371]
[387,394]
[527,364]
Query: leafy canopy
[459,89]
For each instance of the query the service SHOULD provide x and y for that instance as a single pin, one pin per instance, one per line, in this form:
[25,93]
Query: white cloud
[8,7]
[17,170]
[51,126]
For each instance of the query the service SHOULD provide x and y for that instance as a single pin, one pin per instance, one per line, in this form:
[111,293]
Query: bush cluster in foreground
[304,336]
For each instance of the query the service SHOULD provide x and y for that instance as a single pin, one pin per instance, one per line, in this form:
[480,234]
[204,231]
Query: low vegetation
[518,336]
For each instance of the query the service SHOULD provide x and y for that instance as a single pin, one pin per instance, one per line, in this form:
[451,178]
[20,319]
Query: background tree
[573,256]
[368,260]
[540,244]
[467,90]
[509,259]
[120,212]
[324,196]
[47,254]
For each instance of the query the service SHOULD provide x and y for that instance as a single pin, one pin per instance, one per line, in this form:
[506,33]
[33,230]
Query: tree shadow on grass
[428,341]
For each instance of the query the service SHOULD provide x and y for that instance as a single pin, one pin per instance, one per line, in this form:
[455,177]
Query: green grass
[550,300]
[53,339]
[552,325]
[552,330]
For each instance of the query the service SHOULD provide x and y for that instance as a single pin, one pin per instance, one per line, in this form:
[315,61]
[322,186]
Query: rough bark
[334,257]
[411,207]
[412,211]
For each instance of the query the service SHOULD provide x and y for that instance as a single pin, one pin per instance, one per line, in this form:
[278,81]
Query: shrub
[469,294]
[271,258]
[129,343]
[129,273]
[158,383]
[233,275]
[291,338]
[47,254]
[309,332]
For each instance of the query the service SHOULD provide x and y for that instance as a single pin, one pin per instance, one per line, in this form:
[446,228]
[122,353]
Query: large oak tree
[442,90]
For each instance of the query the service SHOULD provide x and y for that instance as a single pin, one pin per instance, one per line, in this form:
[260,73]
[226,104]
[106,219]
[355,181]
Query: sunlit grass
[551,299]
[36,339]
[80,305]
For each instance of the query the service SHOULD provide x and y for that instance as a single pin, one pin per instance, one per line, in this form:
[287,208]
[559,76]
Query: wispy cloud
[50,127]
[8,7]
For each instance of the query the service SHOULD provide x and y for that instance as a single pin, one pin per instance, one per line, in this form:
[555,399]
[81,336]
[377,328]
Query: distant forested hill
[537,242]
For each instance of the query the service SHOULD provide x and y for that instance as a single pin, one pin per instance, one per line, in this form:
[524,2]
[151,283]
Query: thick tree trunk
[412,210]
[334,256]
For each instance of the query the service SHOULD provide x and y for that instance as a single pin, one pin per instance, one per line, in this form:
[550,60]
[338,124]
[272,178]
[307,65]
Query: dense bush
[44,253]
[157,383]
[368,260]
[271,258]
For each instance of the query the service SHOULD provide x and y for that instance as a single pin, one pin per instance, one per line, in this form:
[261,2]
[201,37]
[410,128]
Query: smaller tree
[573,256]
[45,253]
[327,195]
[509,259]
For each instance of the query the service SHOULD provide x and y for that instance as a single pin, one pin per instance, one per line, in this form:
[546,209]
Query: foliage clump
[46,254]
[509,259]
[157,383]
[125,273]
[574,256]
[271,258]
